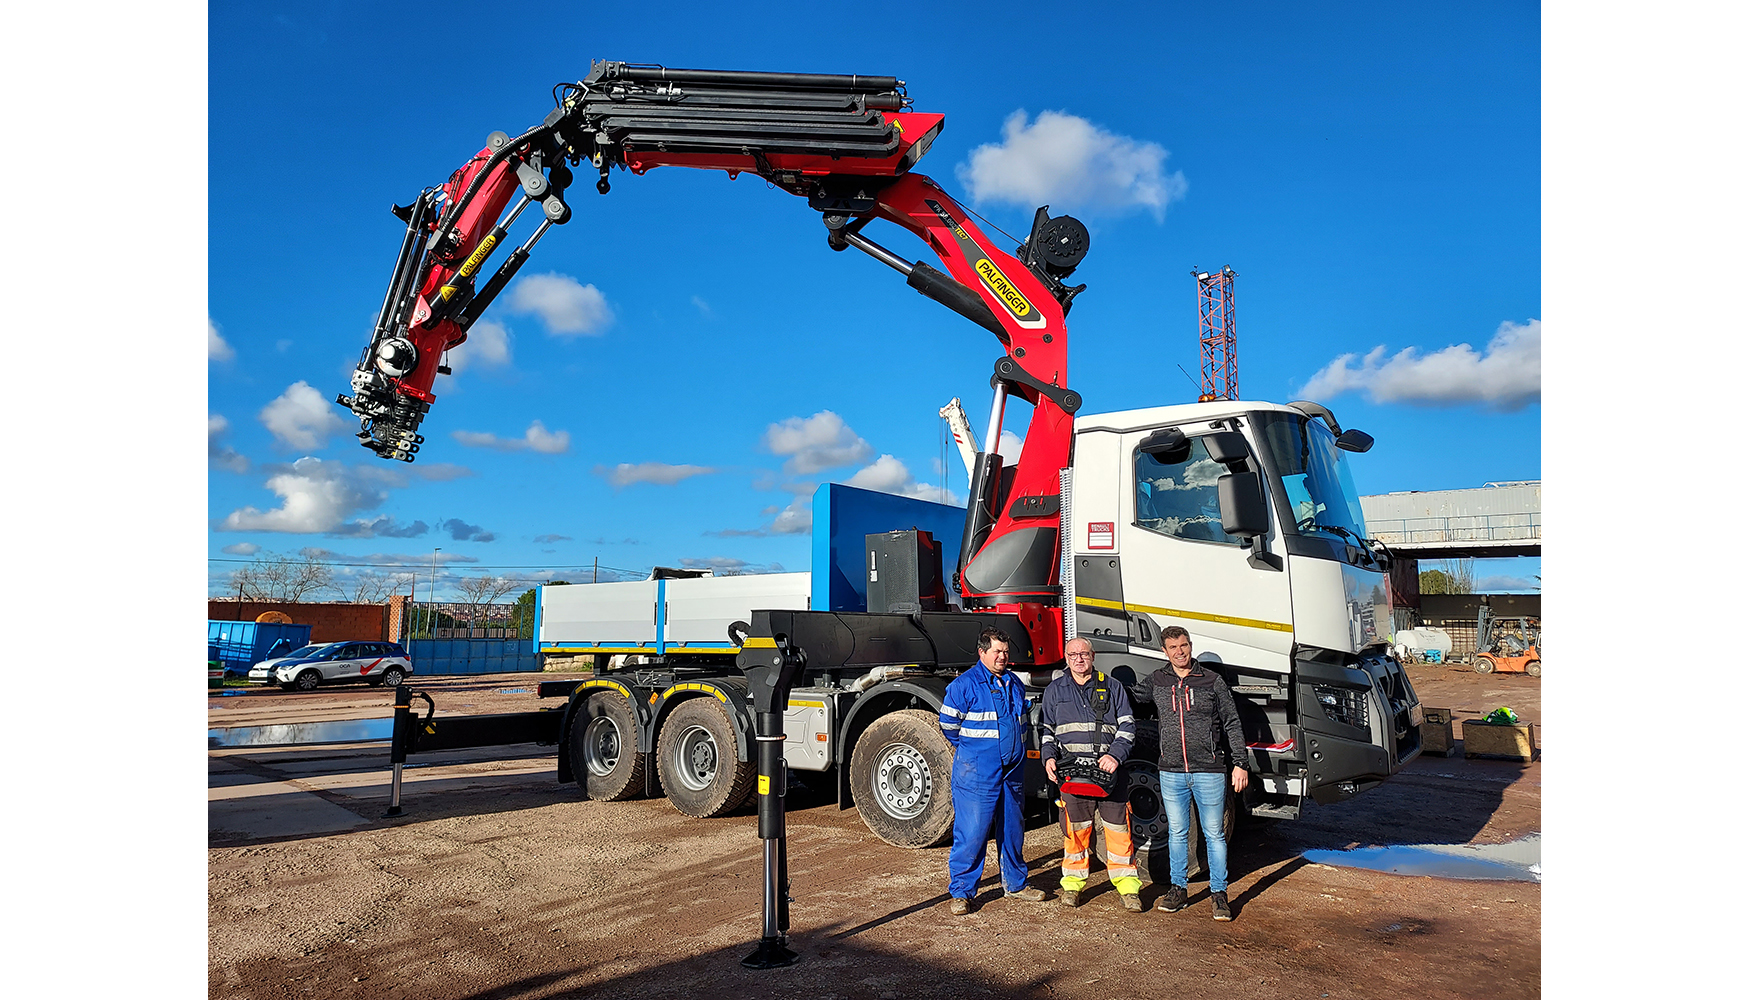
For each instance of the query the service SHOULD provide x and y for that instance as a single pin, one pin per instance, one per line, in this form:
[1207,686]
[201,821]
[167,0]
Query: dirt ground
[498,882]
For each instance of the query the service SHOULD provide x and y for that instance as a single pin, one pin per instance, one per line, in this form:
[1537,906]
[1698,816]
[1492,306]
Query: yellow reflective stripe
[755,642]
[1095,602]
[809,704]
[616,685]
[693,686]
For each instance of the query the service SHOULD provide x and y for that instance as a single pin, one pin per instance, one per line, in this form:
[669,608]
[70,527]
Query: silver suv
[306,669]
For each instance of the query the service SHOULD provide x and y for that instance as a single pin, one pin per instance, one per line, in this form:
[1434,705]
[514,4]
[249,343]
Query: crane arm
[845,143]
[958,425]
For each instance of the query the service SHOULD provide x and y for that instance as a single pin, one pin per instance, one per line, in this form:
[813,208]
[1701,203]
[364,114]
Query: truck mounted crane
[1106,527]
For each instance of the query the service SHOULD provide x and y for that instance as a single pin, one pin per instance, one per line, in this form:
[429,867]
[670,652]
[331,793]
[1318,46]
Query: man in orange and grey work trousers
[1086,713]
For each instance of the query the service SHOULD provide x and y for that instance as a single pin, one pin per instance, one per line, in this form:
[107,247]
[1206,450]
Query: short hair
[1082,639]
[1173,632]
[992,634]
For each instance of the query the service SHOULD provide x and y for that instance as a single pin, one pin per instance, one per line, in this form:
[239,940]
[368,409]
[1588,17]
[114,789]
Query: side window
[1180,499]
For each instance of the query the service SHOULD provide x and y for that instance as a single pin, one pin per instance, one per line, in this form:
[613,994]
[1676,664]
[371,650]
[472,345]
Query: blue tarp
[471,656]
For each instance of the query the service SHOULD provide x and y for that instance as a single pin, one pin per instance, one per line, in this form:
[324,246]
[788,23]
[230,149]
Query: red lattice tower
[1215,316]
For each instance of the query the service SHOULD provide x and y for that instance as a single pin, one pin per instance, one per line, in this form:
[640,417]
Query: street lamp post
[431,596]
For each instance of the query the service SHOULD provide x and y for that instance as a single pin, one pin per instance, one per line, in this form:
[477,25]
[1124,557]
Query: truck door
[1178,567]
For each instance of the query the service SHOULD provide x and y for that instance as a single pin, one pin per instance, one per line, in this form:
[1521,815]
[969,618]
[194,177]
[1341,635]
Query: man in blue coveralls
[983,715]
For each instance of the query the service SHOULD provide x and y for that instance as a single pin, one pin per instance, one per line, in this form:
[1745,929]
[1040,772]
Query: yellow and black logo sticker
[1024,312]
[478,257]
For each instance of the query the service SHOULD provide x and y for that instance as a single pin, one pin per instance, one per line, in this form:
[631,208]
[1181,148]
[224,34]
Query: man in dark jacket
[1197,714]
[1087,714]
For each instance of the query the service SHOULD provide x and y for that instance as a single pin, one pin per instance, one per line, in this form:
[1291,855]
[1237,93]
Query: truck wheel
[695,757]
[1534,668]
[604,748]
[309,680]
[900,774]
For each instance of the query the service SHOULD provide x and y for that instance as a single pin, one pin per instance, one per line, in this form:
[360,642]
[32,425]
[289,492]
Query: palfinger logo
[1005,289]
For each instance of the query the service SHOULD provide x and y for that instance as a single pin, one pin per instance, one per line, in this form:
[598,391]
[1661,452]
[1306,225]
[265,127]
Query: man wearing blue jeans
[1196,713]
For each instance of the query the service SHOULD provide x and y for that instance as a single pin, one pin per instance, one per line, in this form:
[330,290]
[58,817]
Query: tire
[309,680]
[392,677]
[1483,665]
[901,769]
[604,748]
[1534,668]
[695,757]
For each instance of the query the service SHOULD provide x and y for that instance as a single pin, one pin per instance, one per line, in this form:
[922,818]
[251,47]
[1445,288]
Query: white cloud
[317,497]
[889,475]
[1498,584]
[703,307]
[796,519]
[822,441]
[536,438]
[1507,375]
[219,456]
[217,349]
[488,346]
[626,474]
[566,308]
[241,549]
[1070,162]
[1009,446]
[302,418]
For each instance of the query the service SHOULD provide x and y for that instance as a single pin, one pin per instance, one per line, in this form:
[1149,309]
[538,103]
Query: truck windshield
[1314,476]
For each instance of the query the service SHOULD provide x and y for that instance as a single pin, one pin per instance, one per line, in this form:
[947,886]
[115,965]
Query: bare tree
[482,590]
[372,587]
[1462,576]
[275,577]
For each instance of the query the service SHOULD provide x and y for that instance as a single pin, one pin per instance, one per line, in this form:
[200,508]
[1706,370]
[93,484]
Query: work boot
[1131,901]
[1222,912]
[1071,897]
[1173,900]
[1026,894]
[959,905]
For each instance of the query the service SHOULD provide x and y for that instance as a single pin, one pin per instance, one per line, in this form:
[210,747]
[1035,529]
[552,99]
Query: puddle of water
[515,691]
[302,733]
[1519,861]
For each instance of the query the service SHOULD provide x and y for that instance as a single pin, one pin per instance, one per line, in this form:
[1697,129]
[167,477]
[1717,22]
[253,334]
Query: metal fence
[472,656]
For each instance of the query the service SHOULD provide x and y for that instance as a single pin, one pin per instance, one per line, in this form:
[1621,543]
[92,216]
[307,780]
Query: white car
[306,669]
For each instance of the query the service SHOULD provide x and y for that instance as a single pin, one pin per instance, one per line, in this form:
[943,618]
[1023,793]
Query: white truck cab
[1239,522]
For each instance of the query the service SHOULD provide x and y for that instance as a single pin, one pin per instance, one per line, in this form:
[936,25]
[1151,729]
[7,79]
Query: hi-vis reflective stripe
[981,734]
[708,689]
[616,685]
[1095,602]
[755,642]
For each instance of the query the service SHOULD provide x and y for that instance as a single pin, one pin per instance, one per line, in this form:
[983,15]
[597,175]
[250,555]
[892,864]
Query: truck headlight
[1344,705]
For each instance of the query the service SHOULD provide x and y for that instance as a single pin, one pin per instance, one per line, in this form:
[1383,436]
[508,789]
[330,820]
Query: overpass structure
[1490,522]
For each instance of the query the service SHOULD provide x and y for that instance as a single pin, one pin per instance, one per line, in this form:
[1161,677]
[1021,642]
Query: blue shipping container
[242,645]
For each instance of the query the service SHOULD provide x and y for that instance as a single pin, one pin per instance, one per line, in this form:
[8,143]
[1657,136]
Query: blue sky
[689,358]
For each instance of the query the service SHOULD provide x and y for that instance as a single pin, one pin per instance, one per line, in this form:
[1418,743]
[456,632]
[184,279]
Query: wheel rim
[695,758]
[1148,815]
[903,782]
[392,677]
[307,682]
[601,746]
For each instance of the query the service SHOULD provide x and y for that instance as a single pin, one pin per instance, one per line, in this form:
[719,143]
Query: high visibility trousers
[1079,814]
[983,809]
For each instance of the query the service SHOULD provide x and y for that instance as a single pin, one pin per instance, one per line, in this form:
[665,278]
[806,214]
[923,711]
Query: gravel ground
[498,882]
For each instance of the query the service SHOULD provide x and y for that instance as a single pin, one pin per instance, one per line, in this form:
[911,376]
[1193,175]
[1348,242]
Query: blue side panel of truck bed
[844,514]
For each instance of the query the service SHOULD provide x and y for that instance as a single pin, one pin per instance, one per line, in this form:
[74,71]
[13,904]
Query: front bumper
[1360,721]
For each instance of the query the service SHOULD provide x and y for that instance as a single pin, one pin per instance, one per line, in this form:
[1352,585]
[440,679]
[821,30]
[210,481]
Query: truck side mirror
[1168,446]
[1241,498]
[1226,447]
[1354,440]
